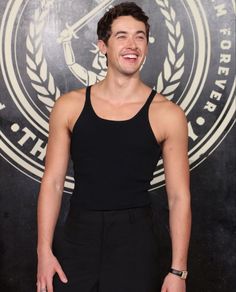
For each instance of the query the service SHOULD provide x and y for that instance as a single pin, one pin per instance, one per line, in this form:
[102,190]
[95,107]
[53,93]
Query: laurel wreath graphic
[43,82]
[37,68]
[169,79]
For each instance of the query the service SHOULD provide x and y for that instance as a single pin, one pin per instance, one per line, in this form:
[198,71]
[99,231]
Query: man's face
[127,45]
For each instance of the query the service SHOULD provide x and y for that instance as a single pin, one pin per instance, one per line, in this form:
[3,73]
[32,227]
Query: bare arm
[50,195]
[175,157]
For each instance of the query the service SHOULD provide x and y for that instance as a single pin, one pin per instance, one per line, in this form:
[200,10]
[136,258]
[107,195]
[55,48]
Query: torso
[113,148]
[126,111]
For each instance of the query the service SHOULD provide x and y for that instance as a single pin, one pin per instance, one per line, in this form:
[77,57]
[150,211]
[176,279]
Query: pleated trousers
[108,251]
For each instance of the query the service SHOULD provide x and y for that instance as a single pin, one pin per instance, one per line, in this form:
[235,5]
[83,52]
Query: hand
[48,265]
[67,34]
[173,283]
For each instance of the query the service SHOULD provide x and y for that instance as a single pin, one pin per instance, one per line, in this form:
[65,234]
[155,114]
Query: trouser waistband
[121,214]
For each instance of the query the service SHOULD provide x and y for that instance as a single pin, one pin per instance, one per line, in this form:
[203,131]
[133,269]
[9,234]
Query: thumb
[61,274]
[163,288]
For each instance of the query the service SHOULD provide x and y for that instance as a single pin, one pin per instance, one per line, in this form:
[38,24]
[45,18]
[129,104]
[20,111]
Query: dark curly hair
[122,9]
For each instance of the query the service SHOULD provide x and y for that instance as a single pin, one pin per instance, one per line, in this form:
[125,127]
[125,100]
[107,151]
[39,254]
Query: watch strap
[181,274]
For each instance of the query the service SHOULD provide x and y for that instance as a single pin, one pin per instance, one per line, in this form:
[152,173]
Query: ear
[102,47]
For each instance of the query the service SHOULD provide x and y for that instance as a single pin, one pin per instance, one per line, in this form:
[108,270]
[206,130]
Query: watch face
[184,275]
[181,274]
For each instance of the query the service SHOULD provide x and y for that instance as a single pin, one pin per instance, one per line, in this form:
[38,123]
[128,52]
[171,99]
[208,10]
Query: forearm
[180,228]
[68,53]
[49,203]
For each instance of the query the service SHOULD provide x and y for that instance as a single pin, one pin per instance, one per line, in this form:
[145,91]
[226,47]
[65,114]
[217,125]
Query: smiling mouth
[130,57]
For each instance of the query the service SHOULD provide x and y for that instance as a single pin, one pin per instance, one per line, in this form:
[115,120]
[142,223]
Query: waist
[105,200]
[85,215]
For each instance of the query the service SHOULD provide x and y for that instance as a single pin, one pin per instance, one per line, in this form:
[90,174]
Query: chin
[130,71]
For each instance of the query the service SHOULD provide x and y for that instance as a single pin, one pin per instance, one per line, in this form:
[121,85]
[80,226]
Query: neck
[120,87]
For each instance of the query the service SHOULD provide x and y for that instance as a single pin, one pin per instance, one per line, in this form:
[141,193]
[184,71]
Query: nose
[131,43]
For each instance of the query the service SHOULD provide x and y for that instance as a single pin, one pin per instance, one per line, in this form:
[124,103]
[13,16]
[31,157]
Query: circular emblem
[49,52]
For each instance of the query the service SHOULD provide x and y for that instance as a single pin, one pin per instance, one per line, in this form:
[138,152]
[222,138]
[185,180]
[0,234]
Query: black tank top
[113,161]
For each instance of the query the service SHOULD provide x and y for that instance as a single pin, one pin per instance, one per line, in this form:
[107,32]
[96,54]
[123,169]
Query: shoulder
[167,118]
[71,98]
[68,105]
[167,110]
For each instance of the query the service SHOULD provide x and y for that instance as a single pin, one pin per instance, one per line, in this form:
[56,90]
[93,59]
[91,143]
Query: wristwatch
[181,274]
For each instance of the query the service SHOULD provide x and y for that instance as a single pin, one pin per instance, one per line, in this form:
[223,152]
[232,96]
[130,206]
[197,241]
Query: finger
[49,285]
[61,274]
[41,285]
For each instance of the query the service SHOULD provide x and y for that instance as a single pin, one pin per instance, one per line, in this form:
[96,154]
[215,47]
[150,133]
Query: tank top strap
[87,105]
[150,98]
[145,108]
[87,95]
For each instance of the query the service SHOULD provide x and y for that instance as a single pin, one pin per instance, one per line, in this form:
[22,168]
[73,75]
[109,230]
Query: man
[115,131]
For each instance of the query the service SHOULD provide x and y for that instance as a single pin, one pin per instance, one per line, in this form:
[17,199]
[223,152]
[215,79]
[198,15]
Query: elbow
[179,199]
[54,184]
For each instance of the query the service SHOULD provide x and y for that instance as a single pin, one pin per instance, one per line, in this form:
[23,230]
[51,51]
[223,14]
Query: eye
[140,37]
[121,36]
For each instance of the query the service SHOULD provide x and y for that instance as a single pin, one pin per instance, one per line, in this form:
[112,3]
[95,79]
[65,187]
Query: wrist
[44,250]
[182,274]
[179,264]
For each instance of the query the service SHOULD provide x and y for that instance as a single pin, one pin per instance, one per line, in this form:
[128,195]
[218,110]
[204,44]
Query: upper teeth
[130,56]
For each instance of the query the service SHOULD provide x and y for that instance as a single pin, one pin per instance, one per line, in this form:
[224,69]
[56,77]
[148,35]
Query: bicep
[57,155]
[175,156]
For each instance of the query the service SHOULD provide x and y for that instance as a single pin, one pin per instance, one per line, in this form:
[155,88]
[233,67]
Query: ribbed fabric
[113,161]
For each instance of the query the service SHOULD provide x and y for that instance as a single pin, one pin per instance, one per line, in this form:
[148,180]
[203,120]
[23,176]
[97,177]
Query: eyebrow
[125,32]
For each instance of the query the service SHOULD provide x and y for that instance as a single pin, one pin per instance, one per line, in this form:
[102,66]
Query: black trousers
[108,251]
